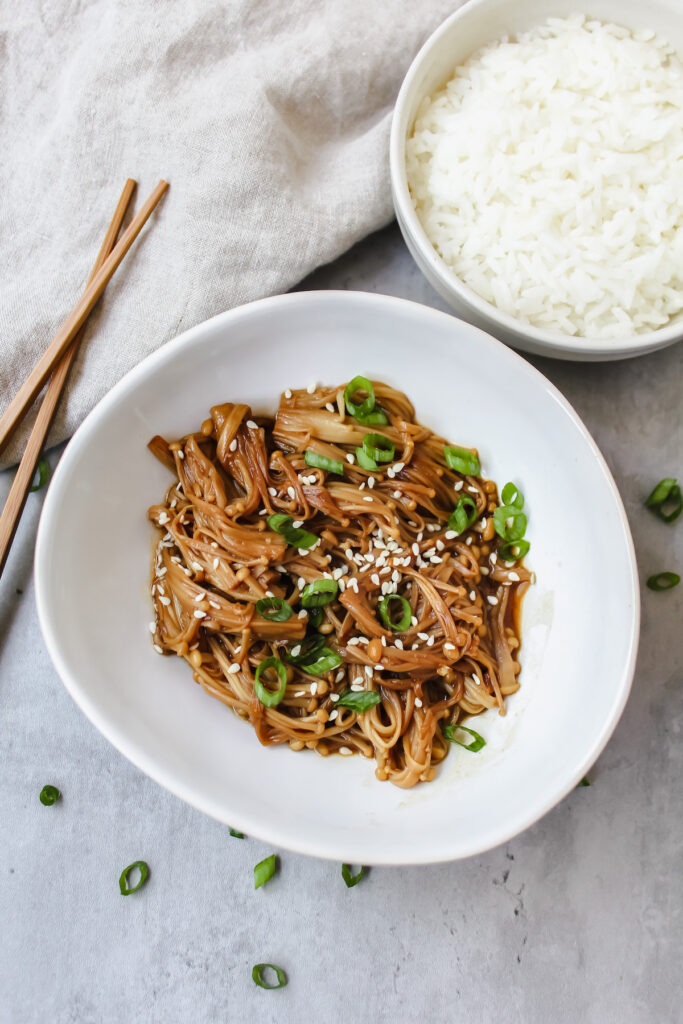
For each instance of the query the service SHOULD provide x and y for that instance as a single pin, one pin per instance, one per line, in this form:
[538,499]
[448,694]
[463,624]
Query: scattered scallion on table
[350,879]
[264,871]
[663,581]
[43,470]
[666,500]
[49,795]
[585,781]
[257,975]
[124,881]
[237,835]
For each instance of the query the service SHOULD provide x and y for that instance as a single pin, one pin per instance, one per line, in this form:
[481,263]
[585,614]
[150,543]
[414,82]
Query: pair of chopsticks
[59,356]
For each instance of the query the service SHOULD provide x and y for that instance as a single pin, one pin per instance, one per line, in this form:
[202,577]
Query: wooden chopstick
[16,499]
[15,411]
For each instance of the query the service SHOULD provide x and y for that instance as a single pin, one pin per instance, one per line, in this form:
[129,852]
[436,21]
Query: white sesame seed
[440,545]
[369,557]
[288,393]
[353,641]
[199,614]
[450,534]
[473,595]
[415,548]
[252,425]
[398,466]
[196,566]
[339,676]
[492,600]
[362,486]
[291,492]
[430,642]
[298,523]
[383,641]
[199,597]
[214,604]
[296,651]
[375,579]
[379,668]
[397,494]
[158,649]
[300,693]
[420,535]
[233,445]
[350,458]
[435,559]
[371,482]
[398,643]
[302,614]
[304,551]
[216,562]
[345,751]
[311,388]
[342,585]
[457,486]
[386,587]
[367,498]
[494,557]
[152,627]
[301,583]
[329,407]
[314,689]
[418,702]
[483,570]
[333,714]
[423,636]
[469,540]
[181,455]
[233,668]
[334,697]
[449,647]
[272,492]
[165,600]
[413,620]
[513,576]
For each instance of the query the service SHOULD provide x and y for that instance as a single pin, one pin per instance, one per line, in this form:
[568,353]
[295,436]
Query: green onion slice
[514,550]
[270,698]
[124,885]
[359,408]
[376,418]
[312,458]
[257,975]
[509,522]
[359,701]
[379,447]
[237,835]
[386,613]
[666,495]
[294,535]
[43,470]
[350,879]
[264,871]
[463,515]
[49,795]
[364,461]
[310,649]
[585,781]
[326,660]
[462,460]
[319,593]
[274,609]
[512,495]
[477,743]
[664,581]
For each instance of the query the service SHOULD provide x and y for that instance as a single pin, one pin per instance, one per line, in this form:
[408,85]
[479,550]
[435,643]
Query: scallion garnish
[312,458]
[584,782]
[463,515]
[274,609]
[359,701]
[264,871]
[663,581]
[387,613]
[376,418]
[43,470]
[270,698]
[478,741]
[258,978]
[365,407]
[326,661]
[666,495]
[462,460]
[237,835]
[350,879]
[124,886]
[294,535]
[319,593]
[378,447]
[308,650]
[514,550]
[49,795]
[509,522]
[512,495]
[364,461]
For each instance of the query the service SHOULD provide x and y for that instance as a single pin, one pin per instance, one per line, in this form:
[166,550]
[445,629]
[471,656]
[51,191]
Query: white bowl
[472,26]
[580,621]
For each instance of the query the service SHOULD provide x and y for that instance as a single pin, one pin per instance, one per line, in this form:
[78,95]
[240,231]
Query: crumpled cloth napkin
[269,118]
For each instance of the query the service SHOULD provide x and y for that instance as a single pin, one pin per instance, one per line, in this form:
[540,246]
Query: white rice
[548,174]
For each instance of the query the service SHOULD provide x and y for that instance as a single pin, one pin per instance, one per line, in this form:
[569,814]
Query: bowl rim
[260,829]
[549,342]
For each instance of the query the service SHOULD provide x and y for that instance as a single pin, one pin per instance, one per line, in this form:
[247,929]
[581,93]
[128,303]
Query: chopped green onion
[514,550]
[359,701]
[264,871]
[294,535]
[350,879]
[364,461]
[478,742]
[257,975]
[378,447]
[376,418]
[326,661]
[512,496]
[463,515]
[664,581]
[124,883]
[237,835]
[312,458]
[270,698]
[274,609]
[43,470]
[385,612]
[361,408]
[309,649]
[584,782]
[462,460]
[315,617]
[666,493]
[509,522]
[49,795]
[319,593]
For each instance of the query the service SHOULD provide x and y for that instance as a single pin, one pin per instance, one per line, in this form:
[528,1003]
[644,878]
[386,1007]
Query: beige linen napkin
[270,119]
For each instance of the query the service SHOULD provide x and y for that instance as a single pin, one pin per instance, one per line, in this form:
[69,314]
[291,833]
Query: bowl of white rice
[537,172]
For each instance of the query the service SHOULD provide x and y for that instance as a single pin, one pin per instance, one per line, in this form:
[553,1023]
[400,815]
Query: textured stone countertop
[579,919]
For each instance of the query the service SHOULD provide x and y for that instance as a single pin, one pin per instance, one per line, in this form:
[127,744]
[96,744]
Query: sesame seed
[367,498]
[415,548]
[301,583]
[329,407]
[362,486]
[165,600]
[398,466]
[473,595]
[397,494]
[199,614]
[181,455]
[418,702]
[494,556]
[296,651]
[214,604]
[468,541]
[233,668]
[352,641]
[435,559]
[423,636]
[311,388]
[371,482]
[252,425]
[449,647]
[492,600]
[272,492]
[483,570]
[350,458]
[383,641]
[152,627]
[386,587]
[333,714]
[457,486]
[440,545]
[302,614]
[413,620]
[473,490]
[398,643]
[344,750]
[334,697]
[304,551]
[196,566]
[216,562]
[420,535]
[314,689]
[339,676]
[233,445]
[390,473]
[514,577]
[288,393]
[430,642]
[450,534]
[291,492]
[199,597]
[379,668]
[375,579]
[300,693]
[298,523]
[342,585]
[158,649]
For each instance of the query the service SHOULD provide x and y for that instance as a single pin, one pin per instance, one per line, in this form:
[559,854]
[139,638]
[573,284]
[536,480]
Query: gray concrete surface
[580,919]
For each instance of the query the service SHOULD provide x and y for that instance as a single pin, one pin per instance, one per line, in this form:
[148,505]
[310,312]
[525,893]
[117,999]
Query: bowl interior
[477,23]
[579,621]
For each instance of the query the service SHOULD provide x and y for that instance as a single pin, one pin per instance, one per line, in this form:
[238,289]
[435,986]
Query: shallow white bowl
[472,26]
[580,621]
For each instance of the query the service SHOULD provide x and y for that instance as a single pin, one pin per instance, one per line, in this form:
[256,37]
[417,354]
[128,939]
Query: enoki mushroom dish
[340,576]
